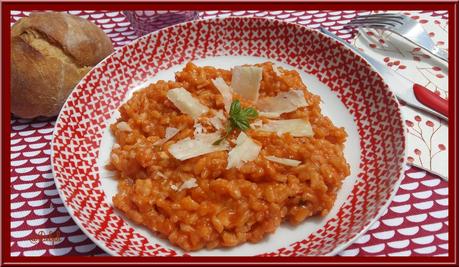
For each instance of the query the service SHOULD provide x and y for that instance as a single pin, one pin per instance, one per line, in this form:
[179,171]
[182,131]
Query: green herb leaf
[250,113]
[235,108]
[240,123]
[239,118]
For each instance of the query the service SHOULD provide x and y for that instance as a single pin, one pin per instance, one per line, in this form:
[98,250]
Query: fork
[402,25]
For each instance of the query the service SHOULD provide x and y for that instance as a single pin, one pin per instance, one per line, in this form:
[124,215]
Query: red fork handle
[430,99]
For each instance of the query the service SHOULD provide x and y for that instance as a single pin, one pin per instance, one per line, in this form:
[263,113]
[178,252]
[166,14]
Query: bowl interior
[286,234]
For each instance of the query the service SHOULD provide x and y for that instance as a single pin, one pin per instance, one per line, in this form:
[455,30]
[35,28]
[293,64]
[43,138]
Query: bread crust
[81,39]
[41,84]
[50,53]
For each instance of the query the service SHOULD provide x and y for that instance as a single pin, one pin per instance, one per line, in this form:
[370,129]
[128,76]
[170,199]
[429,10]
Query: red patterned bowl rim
[339,247]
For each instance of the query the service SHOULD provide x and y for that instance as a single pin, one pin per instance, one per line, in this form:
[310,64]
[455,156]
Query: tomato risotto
[220,157]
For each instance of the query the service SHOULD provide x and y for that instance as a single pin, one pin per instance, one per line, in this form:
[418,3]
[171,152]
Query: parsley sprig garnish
[239,118]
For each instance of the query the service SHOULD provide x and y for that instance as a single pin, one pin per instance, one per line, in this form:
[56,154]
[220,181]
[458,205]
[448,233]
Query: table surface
[416,223]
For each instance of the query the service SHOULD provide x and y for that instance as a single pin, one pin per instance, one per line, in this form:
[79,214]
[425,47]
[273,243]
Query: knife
[412,94]
[419,97]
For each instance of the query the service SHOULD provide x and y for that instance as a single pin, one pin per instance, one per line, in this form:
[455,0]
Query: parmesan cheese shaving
[225,91]
[219,114]
[170,132]
[190,183]
[246,81]
[162,175]
[245,150]
[198,129]
[276,70]
[272,107]
[256,124]
[296,127]
[186,103]
[174,187]
[216,122]
[124,126]
[284,161]
[200,145]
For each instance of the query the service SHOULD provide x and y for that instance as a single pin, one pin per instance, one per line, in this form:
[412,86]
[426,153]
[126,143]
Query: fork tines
[377,20]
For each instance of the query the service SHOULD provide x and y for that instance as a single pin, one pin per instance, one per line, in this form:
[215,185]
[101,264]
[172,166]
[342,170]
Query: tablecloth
[416,223]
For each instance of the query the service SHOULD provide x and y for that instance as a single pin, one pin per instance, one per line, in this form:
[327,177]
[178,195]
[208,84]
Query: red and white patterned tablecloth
[416,223]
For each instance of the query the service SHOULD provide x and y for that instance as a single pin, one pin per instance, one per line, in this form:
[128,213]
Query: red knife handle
[430,99]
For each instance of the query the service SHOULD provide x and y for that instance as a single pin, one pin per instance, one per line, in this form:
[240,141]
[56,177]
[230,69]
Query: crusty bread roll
[50,53]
